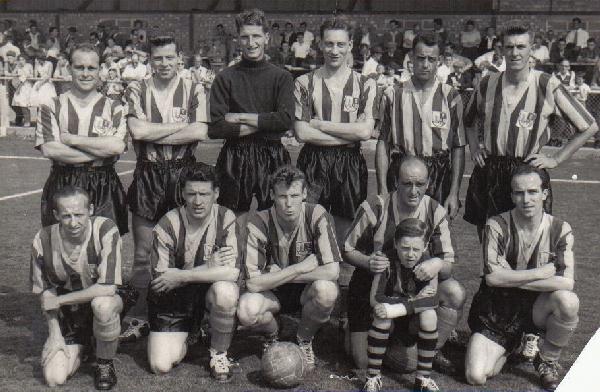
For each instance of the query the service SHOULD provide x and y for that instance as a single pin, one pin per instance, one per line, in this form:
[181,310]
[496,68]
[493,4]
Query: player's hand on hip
[479,155]
[541,161]
[547,271]
[52,346]
[50,301]
[170,279]
[226,255]
[428,269]
[378,263]
[452,205]
[380,311]
[307,265]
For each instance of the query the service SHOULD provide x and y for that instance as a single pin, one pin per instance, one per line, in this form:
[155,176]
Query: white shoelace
[430,384]
[307,349]
[220,362]
[373,384]
[531,346]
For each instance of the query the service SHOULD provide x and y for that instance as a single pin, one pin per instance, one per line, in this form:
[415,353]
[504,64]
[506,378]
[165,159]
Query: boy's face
[579,80]
[410,250]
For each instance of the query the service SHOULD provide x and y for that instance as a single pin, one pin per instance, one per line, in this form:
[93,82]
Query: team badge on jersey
[303,249]
[526,120]
[180,115]
[103,127]
[439,119]
[350,103]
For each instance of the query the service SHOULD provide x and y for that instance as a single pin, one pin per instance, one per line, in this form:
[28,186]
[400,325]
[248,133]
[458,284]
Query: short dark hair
[524,169]
[470,22]
[303,23]
[516,29]
[336,23]
[426,38]
[287,174]
[592,39]
[83,47]
[200,172]
[576,19]
[253,17]
[52,28]
[137,21]
[410,227]
[68,191]
[165,40]
[438,21]
[275,25]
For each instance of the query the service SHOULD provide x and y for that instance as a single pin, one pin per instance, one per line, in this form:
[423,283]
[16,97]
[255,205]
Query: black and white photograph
[309,195]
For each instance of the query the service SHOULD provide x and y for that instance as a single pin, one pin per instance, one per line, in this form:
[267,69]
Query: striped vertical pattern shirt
[183,102]
[101,117]
[375,223]
[99,260]
[412,128]
[503,247]
[267,248]
[320,99]
[523,129]
[176,246]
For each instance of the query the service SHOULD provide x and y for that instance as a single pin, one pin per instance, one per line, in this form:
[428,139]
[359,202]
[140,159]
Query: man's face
[425,60]
[562,45]
[288,200]
[591,45]
[197,61]
[288,27]
[498,48]
[110,42]
[301,38]
[550,34]
[564,66]
[199,198]
[164,61]
[54,33]
[490,32]
[285,47]
[516,51]
[11,59]
[302,27]
[73,214]
[33,29]
[538,41]
[470,27]
[85,68]
[527,194]
[410,250]
[532,63]
[412,184]
[448,60]
[335,46]
[253,40]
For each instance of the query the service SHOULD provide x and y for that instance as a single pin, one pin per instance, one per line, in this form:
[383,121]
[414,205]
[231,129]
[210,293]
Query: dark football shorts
[489,190]
[440,174]
[178,310]
[502,314]
[288,295]
[337,177]
[76,321]
[156,188]
[244,166]
[102,184]
[360,314]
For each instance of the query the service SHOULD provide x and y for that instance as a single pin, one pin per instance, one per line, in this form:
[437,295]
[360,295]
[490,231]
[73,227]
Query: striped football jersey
[523,129]
[267,247]
[102,117]
[412,128]
[186,102]
[98,262]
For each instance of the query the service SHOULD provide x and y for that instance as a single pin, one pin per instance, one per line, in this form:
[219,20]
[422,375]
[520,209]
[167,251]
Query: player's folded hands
[52,346]
[547,271]
[171,279]
[226,255]
[307,265]
[380,311]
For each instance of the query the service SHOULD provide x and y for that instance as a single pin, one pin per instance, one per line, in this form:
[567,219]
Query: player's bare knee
[567,303]
[475,377]
[452,294]
[55,378]
[161,364]
[224,295]
[428,319]
[249,310]
[104,308]
[56,371]
[325,293]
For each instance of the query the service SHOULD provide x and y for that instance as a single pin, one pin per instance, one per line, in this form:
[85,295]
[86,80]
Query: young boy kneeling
[399,294]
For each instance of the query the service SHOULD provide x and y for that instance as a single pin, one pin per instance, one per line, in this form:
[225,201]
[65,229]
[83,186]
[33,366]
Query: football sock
[107,336]
[447,320]
[222,325]
[558,334]
[426,343]
[379,334]
[313,316]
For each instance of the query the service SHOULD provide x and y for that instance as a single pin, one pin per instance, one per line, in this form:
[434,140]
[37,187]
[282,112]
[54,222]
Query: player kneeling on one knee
[292,260]
[76,267]
[527,286]
[195,267]
[398,294]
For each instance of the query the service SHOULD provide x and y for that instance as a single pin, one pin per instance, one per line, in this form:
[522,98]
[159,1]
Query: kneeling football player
[527,285]
[195,267]
[398,295]
[292,263]
[76,267]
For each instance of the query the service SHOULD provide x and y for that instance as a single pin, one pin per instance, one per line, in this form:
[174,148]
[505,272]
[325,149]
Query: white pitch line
[41,189]
[562,180]
[46,159]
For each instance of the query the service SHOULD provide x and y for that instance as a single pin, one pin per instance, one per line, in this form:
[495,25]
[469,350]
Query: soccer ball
[283,365]
[401,358]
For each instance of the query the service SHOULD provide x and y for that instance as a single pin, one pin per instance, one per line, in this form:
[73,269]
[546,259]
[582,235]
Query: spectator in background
[408,37]
[284,56]
[446,68]
[491,61]
[370,66]
[540,51]
[460,79]
[112,49]
[300,49]
[487,42]
[9,47]
[2,31]
[276,38]
[43,89]
[140,33]
[182,71]
[135,71]
[33,39]
[217,52]
[289,35]
[393,35]
[309,37]
[22,95]
[564,74]
[197,70]
[11,69]
[577,36]
[451,50]
[311,61]
[533,63]
[589,54]
[70,38]
[391,55]
[581,89]
[550,40]
[470,38]
[407,73]
[559,51]
[362,57]
[53,46]
[62,69]
[440,33]
[135,43]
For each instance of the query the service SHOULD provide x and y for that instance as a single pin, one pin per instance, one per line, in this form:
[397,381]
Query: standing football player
[166,118]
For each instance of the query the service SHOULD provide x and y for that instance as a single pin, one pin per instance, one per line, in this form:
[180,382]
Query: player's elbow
[253,286]
[364,133]
[50,150]
[117,147]
[300,132]
[331,271]
[493,280]
[136,128]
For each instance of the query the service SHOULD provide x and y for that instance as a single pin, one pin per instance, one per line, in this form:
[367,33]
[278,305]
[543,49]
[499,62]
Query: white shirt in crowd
[578,37]
[542,53]
[300,50]
[370,67]
[132,72]
[489,57]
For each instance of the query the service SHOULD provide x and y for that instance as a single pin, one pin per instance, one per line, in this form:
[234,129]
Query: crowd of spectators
[33,61]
